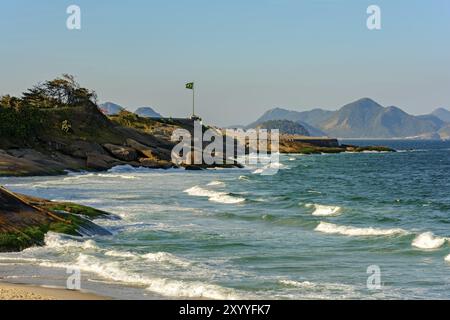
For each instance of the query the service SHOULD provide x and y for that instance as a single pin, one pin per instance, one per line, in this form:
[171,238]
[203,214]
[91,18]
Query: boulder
[24,166]
[99,161]
[147,151]
[79,148]
[121,152]
[155,164]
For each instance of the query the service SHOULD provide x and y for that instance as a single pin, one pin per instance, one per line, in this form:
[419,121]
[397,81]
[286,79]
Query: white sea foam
[447,258]
[331,228]
[216,183]
[214,196]
[166,287]
[322,210]
[302,284]
[312,290]
[270,168]
[163,257]
[120,254]
[428,240]
[166,257]
[78,176]
[57,241]
[119,176]
[245,178]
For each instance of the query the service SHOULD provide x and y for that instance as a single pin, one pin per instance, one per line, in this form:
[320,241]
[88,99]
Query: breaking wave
[331,228]
[214,196]
[322,210]
[216,183]
[428,240]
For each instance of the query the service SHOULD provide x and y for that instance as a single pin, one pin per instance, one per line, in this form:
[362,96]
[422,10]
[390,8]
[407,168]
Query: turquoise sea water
[310,231]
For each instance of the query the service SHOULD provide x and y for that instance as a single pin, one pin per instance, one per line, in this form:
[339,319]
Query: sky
[245,56]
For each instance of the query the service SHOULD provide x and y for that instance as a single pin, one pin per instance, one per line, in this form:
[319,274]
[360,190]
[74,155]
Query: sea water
[311,231]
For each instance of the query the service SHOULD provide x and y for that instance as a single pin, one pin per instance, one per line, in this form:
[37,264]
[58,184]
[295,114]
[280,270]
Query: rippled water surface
[310,231]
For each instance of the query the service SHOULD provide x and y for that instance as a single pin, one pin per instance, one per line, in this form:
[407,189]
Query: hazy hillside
[306,119]
[285,127]
[444,133]
[363,118]
[442,114]
[312,117]
[110,108]
[147,112]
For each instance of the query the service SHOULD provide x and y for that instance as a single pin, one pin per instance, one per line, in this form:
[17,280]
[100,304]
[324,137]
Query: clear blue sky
[246,56]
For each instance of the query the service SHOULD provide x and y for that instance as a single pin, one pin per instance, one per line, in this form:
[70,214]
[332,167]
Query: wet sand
[25,292]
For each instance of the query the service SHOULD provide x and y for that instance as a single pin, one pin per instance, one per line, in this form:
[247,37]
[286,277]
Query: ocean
[315,230]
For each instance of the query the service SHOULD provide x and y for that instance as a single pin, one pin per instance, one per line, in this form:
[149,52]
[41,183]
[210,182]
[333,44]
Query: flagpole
[193,99]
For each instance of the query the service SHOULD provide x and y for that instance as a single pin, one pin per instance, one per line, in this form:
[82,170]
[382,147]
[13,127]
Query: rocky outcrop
[24,220]
[121,152]
[99,161]
[148,152]
[155,164]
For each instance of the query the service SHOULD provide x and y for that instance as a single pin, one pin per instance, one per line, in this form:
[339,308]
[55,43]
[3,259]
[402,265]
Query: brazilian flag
[190,85]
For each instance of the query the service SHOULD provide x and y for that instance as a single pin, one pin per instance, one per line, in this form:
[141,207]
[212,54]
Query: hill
[285,127]
[56,126]
[442,114]
[110,108]
[147,112]
[363,118]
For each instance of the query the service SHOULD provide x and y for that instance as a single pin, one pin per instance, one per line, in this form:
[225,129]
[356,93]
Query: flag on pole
[190,85]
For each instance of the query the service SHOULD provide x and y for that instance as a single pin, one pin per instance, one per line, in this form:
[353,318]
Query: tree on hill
[20,117]
[60,92]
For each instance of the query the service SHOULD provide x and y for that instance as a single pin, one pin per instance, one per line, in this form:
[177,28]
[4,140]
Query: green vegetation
[25,220]
[28,237]
[21,118]
[18,122]
[21,240]
[75,209]
[153,126]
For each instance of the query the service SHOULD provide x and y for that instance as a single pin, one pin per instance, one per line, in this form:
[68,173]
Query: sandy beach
[25,292]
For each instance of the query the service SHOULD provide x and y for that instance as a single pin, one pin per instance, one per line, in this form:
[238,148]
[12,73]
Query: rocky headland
[57,126]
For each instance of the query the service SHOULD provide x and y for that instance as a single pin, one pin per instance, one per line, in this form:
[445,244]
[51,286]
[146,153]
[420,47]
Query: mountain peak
[110,108]
[364,103]
[442,114]
[147,112]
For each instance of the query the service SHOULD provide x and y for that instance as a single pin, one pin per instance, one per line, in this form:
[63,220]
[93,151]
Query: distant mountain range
[110,108]
[365,118]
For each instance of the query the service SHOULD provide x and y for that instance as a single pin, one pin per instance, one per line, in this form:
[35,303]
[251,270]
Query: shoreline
[13,291]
